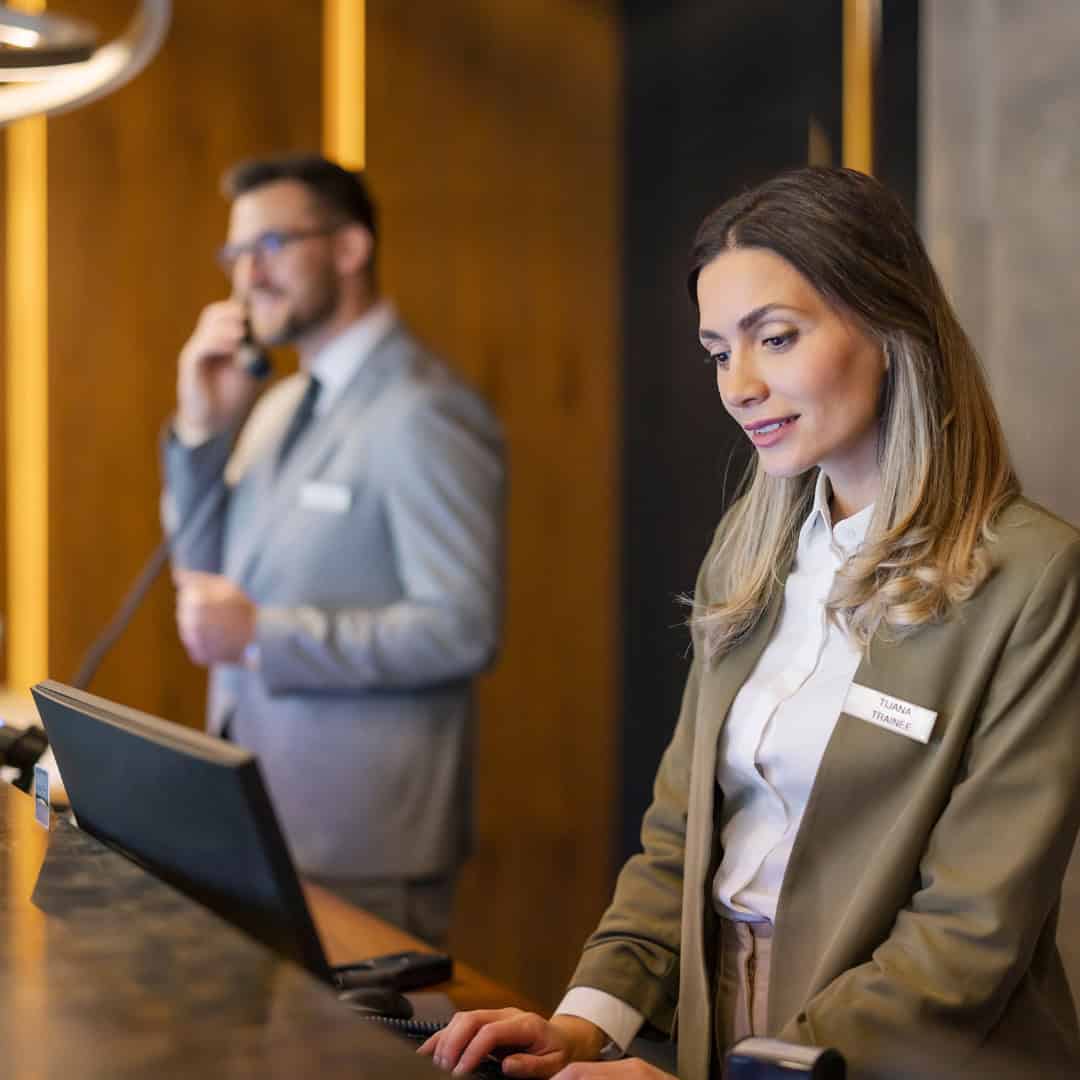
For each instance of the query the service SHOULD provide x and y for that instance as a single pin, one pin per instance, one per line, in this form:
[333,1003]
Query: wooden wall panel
[493,151]
[134,219]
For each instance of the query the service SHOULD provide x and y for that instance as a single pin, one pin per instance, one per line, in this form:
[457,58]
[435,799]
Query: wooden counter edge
[349,934]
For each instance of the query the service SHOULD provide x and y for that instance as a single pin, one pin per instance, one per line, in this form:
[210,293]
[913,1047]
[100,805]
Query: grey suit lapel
[278,494]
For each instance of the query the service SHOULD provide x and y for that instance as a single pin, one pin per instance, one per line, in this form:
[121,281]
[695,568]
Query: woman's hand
[625,1069]
[540,1048]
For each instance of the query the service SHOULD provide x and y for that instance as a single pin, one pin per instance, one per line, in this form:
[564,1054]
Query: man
[344,585]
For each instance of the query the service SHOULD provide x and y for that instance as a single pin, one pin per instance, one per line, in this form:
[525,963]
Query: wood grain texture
[493,150]
[134,218]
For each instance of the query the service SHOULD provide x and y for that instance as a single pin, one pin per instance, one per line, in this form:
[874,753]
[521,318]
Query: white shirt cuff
[619,1021]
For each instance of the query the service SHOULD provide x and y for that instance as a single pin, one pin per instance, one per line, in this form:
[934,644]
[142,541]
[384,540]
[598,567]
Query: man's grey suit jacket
[374,556]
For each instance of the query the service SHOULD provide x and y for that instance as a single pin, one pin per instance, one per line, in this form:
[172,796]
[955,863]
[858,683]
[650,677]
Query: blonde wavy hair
[945,469]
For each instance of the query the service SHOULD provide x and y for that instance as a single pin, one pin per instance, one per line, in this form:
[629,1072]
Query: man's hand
[211,391]
[216,619]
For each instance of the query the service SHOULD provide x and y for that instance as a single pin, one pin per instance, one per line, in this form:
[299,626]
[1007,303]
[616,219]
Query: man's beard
[299,324]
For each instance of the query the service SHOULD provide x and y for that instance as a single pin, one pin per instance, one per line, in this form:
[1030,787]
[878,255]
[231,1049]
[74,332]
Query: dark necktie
[301,420]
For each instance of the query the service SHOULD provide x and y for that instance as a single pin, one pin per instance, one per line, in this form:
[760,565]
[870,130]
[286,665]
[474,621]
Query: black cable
[22,747]
[253,359]
[159,558]
[411,1029]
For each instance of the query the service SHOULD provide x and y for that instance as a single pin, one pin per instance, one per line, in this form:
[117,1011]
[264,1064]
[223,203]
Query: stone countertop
[107,972]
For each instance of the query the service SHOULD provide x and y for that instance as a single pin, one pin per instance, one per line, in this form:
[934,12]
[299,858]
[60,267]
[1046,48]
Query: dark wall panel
[896,127]
[717,97]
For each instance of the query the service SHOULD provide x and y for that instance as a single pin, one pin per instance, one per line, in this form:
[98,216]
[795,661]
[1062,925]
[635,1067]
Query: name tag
[890,713]
[330,498]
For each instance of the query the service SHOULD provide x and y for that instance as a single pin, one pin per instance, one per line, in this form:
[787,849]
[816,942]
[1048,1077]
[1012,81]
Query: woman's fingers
[446,1046]
[533,1066]
[525,1032]
[624,1069]
[538,1047]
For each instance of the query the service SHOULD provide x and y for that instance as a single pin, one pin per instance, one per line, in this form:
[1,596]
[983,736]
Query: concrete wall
[1001,213]
[1001,216]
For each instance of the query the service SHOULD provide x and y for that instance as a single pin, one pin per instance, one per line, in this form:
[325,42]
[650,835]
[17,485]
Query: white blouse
[782,719]
[771,744]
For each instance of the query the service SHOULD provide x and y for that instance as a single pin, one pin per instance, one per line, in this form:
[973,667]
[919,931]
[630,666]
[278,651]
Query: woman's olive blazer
[916,923]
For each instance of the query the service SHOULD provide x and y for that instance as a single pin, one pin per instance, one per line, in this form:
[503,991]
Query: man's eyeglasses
[268,243]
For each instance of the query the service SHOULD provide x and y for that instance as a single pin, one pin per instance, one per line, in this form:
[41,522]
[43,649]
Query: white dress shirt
[772,742]
[782,719]
[337,362]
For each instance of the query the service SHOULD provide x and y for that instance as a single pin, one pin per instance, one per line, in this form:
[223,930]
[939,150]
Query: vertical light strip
[343,81]
[26,408]
[861,22]
[26,397]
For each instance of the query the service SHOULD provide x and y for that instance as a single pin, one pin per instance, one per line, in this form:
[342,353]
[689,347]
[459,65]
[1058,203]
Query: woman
[860,828]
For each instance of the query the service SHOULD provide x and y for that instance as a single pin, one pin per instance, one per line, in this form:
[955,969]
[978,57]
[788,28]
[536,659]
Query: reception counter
[107,972]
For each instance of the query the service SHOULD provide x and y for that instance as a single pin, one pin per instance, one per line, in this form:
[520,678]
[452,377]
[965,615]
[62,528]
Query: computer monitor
[190,808]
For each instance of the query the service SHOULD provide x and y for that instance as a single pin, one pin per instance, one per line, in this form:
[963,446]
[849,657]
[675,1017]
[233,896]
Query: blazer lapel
[719,685]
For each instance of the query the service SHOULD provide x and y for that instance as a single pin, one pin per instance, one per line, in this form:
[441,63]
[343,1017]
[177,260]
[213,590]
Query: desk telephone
[376,988]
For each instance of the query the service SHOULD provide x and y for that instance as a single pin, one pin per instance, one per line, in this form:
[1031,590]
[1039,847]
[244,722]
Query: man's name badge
[41,796]
[329,498]
[890,713]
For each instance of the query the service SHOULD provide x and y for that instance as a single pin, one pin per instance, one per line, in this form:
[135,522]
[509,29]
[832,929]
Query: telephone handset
[409,970]
[251,356]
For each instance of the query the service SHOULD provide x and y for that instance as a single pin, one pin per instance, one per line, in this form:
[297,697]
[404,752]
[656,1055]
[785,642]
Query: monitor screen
[190,808]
